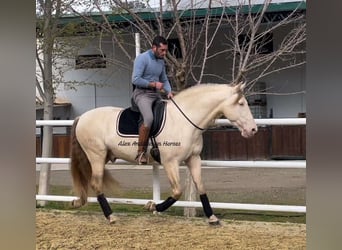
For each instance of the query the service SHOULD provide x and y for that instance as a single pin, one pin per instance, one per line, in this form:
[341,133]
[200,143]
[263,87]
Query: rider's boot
[142,144]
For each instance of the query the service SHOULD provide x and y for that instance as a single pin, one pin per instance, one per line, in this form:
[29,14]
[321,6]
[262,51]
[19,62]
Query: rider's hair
[158,40]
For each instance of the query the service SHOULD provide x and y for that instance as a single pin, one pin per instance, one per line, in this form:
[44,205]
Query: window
[95,61]
[257,101]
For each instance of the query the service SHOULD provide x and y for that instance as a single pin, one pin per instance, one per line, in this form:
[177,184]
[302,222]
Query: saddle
[130,119]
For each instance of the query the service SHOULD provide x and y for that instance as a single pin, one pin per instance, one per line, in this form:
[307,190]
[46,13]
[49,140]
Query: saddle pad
[129,121]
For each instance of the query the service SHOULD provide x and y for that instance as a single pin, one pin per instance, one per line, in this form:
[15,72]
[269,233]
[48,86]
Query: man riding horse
[149,77]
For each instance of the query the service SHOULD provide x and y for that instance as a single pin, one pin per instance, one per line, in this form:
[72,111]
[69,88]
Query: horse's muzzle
[249,133]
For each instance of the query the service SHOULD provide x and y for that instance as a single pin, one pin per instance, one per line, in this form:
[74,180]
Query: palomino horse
[95,141]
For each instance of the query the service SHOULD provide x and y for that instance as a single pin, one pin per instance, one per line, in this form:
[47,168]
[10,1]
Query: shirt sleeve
[138,71]
[163,78]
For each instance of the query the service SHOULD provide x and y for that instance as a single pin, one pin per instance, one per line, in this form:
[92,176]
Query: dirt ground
[77,230]
[89,230]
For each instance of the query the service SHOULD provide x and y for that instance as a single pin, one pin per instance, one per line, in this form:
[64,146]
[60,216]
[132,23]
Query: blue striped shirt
[147,68]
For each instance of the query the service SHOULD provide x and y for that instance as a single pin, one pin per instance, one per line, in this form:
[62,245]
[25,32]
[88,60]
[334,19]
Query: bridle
[193,124]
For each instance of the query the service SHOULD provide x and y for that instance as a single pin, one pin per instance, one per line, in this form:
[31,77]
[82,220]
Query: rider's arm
[138,71]
[163,78]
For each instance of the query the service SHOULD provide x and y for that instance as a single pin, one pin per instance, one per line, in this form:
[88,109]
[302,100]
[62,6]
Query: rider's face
[160,52]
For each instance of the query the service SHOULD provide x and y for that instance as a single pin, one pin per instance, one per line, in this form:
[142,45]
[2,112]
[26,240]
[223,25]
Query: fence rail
[219,122]
[207,163]
[220,164]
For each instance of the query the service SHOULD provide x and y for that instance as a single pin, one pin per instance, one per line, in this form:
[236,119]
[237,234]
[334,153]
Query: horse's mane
[199,89]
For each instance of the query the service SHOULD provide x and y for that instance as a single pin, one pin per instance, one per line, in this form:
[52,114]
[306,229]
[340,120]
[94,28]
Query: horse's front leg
[172,171]
[194,165]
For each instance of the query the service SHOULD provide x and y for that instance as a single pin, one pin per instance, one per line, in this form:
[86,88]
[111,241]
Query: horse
[96,141]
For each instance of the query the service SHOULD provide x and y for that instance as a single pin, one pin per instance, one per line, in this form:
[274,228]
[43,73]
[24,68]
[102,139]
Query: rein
[193,124]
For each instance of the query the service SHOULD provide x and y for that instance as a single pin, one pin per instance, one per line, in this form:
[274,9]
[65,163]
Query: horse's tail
[80,167]
[81,170]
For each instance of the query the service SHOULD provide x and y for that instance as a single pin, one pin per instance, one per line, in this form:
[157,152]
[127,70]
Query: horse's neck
[200,104]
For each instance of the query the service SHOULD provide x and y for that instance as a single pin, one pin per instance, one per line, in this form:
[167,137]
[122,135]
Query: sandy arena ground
[89,230]
[80,230]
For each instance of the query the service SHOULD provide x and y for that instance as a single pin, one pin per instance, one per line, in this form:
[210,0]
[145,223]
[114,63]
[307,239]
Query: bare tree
[187,53]
[252,30]
[50,48]
[249,32]
[49,10]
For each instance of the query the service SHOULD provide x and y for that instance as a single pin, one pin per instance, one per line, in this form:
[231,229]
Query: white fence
[221,164]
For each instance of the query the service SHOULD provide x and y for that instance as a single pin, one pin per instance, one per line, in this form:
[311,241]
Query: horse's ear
[238,88]
[242,86]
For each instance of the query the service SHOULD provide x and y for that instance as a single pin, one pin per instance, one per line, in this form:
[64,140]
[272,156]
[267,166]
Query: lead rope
[193,124]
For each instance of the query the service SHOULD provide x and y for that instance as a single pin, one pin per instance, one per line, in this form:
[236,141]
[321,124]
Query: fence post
[45,169]
[190,194]
[156,183]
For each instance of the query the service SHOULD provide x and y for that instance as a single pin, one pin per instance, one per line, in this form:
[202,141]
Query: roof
[277,6]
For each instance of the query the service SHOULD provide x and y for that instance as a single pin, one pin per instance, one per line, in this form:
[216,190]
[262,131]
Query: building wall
[114,82]
[279,86]
[283,83]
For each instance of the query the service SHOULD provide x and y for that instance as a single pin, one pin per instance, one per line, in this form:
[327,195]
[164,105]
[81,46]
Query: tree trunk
[44,175]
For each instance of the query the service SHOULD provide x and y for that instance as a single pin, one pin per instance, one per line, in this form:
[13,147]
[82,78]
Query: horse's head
[237,111]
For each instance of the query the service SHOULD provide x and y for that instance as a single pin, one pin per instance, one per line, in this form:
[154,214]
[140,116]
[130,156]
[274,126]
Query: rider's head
[159,47]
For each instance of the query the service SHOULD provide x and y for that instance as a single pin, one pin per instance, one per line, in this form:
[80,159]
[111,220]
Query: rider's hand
[158,85]
[169,95]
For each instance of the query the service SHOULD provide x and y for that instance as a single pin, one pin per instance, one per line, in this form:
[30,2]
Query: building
[112,71]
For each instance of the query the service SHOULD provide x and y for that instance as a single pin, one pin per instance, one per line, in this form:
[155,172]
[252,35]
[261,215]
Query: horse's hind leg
[194,165]
[96,182]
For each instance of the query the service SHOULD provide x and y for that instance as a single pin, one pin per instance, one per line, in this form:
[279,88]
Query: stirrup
[140,157]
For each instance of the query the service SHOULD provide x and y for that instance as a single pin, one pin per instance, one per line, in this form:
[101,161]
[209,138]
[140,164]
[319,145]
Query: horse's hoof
[214,221]
[150,206]
[76,203]
[112,219]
